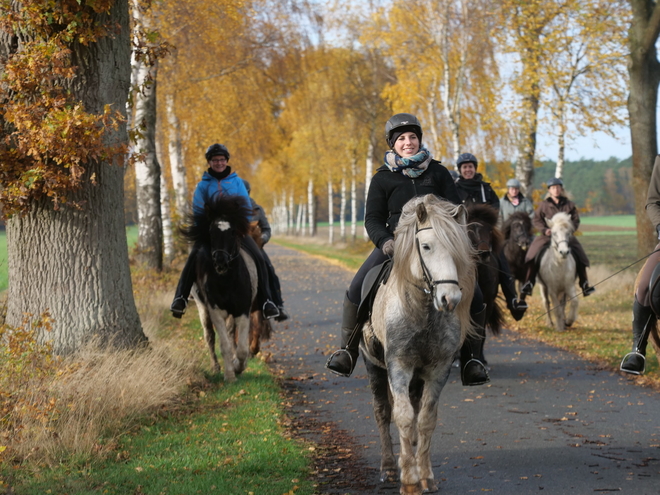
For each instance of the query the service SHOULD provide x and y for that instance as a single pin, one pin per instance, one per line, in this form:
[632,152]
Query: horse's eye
[426,247]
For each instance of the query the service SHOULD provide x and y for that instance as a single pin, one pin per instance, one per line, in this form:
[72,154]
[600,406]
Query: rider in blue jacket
[219,179]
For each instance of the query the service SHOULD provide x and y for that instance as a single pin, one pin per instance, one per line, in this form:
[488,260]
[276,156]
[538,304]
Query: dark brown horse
[518,235]
[487,240]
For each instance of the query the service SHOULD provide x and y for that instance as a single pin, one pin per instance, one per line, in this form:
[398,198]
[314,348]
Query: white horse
[418,322]
[557,274]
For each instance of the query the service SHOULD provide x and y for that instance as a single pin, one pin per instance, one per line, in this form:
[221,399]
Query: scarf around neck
[412,167]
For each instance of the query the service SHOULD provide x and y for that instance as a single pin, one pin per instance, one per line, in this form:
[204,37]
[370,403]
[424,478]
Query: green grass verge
[226,438]
[234,442]
[351,257]
[628,221]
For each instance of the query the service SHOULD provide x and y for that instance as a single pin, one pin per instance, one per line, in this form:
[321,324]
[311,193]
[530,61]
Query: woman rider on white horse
[409,171]
[646,303]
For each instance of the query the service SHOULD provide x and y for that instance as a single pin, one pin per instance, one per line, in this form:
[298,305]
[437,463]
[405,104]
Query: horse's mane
[453,235]
[488,215]
[521,216]
[232,209]
[563,221]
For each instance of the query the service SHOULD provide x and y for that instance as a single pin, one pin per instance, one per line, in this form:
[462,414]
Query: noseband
[431,285]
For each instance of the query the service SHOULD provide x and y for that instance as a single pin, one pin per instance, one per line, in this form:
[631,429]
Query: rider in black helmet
[409,170]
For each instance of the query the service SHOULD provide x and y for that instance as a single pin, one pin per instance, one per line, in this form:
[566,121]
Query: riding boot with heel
[587,289]
[530,280]
[343,361]
[517,307]
[643,321]
[473,370]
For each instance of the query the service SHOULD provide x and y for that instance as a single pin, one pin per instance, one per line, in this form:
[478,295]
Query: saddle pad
[375,277]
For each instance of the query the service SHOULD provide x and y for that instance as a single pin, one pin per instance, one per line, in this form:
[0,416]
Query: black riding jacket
[389,191]
[476,191]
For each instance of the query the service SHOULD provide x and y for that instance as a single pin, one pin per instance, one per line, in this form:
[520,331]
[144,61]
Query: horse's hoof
[389,476]
[414,489]
[429,485]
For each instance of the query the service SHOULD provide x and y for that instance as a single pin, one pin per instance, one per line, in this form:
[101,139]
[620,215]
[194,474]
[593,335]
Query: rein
[430,284]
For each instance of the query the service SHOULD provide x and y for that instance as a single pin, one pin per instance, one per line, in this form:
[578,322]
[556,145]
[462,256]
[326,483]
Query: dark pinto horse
[487,240]
[226,282]
[518,235]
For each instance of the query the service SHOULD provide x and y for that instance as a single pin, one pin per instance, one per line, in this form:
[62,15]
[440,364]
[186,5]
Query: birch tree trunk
[74,263]
[369,172]
[177,169]
[311,213]
[353,200]
[147,172]
[342,208]
[331,233]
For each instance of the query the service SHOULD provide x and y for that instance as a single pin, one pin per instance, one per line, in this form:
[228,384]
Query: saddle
[375,277]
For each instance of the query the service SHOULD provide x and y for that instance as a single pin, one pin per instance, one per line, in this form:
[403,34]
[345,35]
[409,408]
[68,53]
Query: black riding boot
[643,320]
[516,306]
[186,281]
[581,270]
[530,279]
[343,361]
[473,371]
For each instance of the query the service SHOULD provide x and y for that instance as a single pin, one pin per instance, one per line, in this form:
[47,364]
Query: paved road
[548,421]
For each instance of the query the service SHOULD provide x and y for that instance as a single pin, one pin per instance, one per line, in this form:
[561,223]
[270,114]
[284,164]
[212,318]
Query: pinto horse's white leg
[404,417]
[227,347]
[207,325]
[242,329]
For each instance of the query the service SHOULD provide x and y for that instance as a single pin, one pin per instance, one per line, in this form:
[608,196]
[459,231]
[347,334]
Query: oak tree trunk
[74,263]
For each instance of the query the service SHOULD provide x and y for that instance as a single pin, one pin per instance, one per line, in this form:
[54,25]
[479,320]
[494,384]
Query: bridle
[230,255]
[431,285]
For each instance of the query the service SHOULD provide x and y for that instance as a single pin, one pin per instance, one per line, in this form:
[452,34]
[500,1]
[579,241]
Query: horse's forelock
[233,209]
[563,222]
[440,217]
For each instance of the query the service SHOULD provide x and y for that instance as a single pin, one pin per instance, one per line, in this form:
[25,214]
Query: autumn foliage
[48,136]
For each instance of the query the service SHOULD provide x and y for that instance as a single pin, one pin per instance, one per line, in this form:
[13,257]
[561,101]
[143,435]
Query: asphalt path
[548,421]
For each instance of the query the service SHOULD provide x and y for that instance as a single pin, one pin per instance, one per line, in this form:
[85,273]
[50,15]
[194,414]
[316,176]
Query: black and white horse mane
[232,209]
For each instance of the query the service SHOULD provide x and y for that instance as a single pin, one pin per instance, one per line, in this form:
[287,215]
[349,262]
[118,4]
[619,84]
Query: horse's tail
[496,319]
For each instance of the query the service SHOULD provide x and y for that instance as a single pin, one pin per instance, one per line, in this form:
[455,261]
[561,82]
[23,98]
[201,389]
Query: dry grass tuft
[99,393]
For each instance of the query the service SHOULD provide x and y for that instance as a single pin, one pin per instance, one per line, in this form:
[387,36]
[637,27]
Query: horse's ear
[461,215]
[549,222]
[422,214]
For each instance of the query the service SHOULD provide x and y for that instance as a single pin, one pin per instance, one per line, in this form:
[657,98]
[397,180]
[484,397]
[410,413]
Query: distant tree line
[597,187]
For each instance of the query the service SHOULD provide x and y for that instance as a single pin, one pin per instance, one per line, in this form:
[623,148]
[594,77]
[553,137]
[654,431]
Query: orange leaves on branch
[48,138]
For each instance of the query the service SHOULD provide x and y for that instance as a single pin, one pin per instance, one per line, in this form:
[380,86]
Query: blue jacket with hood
[209,186]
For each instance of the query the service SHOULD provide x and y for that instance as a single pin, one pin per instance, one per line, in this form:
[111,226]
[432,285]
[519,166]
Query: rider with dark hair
[219,179]
[409,171]
[646,303]
[471,187]
[474,191]
[266,231]
[555,202]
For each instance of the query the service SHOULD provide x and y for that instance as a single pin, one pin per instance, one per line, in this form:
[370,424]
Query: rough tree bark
[74,263]
[644,71]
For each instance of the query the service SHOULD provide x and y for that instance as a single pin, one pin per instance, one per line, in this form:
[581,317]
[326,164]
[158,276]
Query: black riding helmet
[465,158]
[216,150]
[555,181]
[400,123]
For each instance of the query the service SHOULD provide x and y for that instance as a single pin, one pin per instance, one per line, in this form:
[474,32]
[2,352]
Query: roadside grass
[207,437]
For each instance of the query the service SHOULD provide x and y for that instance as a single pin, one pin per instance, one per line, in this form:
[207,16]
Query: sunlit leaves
[48,136]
